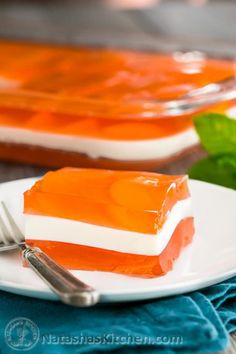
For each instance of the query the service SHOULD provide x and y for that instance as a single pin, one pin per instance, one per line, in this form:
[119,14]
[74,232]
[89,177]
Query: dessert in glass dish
[127,222]
[106,108]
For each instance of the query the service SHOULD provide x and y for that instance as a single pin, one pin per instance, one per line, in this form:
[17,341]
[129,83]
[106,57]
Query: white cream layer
[123,150]
[80,233]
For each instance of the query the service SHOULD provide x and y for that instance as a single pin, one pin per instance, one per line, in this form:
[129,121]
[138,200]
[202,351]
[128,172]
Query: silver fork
[68,288]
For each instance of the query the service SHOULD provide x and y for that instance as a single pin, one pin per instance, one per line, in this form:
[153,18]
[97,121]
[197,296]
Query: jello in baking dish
[108,108]
[133,223]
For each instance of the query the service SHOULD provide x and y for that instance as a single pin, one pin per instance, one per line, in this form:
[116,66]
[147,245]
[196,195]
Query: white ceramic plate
[208,260]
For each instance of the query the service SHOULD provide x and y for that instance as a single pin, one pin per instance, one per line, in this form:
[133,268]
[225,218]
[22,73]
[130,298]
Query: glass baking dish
[106,107]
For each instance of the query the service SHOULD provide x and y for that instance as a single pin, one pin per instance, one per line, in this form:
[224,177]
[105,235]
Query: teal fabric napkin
[192,323]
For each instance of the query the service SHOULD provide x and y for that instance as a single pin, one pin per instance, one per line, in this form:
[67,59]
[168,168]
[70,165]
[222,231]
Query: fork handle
[69,289]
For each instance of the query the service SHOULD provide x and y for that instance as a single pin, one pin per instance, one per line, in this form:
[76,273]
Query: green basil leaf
[217,133]
[216,169]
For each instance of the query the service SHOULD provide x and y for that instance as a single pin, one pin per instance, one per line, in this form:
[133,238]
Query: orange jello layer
[109,74]
[134,201]
[90,258]
[114,129]
[101,128]
[98,92]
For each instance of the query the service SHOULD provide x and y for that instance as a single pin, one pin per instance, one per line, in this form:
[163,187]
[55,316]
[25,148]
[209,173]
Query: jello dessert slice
[134,223]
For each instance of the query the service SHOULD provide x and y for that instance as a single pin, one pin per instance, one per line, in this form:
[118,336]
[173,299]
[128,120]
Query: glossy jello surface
[109,74]
[104,93]
[133,201]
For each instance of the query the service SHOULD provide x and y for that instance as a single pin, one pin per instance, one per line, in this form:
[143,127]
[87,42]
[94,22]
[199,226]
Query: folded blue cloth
[192,323]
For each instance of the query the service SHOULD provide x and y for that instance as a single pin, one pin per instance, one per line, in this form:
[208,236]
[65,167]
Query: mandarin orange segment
[135,201]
